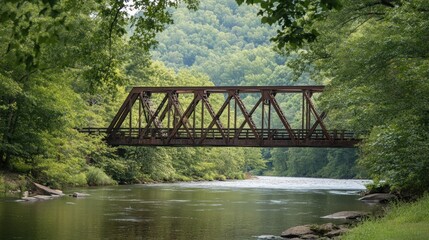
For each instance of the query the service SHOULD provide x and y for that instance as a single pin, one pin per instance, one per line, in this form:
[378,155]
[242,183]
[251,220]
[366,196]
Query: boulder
[310,236]
[324,228]
[43,197]
[297,231]
[78,194]
[347,215]
[378,198]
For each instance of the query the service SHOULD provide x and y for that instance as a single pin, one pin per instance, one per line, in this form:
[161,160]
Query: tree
[295,18]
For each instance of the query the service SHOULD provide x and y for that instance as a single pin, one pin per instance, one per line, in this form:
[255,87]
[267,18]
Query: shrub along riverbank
[402,221]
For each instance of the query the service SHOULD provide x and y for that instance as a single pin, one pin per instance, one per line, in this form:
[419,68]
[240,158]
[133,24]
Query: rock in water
[43,197]
[347,215]
[378,198]
[78,194]
[29,199]
[268,237]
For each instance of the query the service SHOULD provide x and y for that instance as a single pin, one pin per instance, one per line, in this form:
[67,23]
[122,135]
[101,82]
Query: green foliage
[315,162]
[295,18]
[378,187]
[397,153]
[341,163]
[226,42]
[32,25]
[96,177]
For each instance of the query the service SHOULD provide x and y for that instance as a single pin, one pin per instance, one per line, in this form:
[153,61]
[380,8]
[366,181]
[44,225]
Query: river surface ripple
[243,209]
[285,183]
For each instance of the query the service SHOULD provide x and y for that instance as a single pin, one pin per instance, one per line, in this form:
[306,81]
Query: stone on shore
[378,198]
[310,236]
[324,228]
[297,231]
[47,190]
[347,215]
[323,231]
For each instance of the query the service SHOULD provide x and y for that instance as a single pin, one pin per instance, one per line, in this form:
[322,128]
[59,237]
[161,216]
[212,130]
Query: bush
[378,187]
[221,178]
[182,178]
[96,177]
[58,175]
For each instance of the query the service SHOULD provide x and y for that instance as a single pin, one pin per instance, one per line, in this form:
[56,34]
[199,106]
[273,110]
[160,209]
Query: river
[242,209]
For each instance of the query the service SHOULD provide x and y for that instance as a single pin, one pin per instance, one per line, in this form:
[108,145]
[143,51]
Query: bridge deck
[252,116]
[271,138]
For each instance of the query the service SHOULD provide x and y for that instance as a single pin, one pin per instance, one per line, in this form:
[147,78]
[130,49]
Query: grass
[403,221]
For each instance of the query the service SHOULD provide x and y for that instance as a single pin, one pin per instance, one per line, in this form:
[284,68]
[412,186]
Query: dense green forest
[66,65]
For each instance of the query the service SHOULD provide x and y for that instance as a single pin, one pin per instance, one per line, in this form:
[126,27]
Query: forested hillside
[226,42]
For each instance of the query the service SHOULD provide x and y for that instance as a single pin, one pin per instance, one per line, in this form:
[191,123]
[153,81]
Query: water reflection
[173,211]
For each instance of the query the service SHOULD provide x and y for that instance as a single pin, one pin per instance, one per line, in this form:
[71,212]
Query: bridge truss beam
[220,116]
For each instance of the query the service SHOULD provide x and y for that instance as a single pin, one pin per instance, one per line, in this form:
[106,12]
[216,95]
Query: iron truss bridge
[223,116]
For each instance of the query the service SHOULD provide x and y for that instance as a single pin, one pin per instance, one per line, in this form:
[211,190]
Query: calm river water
[202,210]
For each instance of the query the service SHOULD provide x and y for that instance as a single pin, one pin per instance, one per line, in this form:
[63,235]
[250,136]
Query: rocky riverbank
[329,230]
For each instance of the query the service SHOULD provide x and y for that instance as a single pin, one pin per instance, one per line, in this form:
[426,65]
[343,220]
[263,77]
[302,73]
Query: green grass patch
[403,221]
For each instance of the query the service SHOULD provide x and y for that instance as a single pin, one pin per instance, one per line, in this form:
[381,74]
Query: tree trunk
[2,163]
[11,122]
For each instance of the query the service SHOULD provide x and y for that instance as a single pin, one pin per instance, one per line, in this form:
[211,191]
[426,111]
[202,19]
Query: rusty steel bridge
[222,116]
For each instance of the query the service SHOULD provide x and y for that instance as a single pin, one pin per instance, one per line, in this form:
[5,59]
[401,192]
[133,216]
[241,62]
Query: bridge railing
[198,133]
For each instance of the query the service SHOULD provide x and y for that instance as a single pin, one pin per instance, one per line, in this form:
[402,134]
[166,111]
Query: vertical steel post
[202,116]
[130,109]
[193,119]
[229,115]
[308,113]
[303,115]
[263,114]
[235,115]
[168,113]
[140,115]
[269,116]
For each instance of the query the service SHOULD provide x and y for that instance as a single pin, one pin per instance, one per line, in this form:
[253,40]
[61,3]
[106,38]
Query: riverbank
[402,221]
